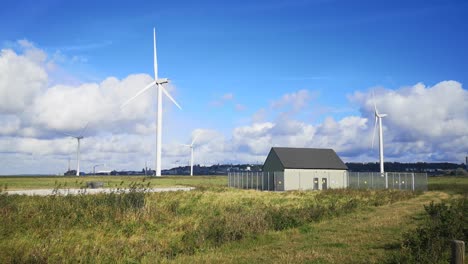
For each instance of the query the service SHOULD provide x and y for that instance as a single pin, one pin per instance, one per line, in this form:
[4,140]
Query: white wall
[303,179]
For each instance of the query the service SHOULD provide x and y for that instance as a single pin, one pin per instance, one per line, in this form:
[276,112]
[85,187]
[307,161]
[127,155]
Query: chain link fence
[264,181]
[390,180]
[275,181]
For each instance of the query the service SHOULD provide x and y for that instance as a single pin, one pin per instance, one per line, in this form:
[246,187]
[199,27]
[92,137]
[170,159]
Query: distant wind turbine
[159,83]
[378,119]
[191,153]
[78,138]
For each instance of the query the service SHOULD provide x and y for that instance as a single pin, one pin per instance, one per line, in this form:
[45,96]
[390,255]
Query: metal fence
[275,181]
[390,180]
[264,181]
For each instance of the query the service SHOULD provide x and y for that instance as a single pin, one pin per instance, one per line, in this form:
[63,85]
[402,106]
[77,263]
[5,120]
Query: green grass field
[210,225]
[42,182]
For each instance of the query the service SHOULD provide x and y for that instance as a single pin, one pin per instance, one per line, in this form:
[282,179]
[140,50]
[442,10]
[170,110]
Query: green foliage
[430,243]
[137,226]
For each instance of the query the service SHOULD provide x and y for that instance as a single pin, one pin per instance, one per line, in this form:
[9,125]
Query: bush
[430,243]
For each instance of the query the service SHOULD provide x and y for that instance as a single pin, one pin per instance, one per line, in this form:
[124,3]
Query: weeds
[134,225]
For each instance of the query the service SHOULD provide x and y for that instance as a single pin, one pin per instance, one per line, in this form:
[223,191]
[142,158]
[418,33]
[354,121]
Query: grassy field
[210,225]
[42,182]
[450,184]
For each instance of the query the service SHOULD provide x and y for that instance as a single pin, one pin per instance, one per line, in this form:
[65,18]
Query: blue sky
[251,53]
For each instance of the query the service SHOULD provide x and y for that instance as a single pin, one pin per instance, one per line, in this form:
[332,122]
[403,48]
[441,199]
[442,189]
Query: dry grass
[366,236]
[139,227]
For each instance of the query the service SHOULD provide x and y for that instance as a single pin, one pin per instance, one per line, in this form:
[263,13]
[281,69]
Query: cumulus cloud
[69,108]
[22,77]
[428,119]
[424,123]
[34,114]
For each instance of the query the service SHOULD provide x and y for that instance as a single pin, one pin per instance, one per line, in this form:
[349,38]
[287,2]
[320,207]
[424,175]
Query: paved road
[45,192]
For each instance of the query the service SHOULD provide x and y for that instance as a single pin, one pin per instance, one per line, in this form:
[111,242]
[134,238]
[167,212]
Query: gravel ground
[45,192]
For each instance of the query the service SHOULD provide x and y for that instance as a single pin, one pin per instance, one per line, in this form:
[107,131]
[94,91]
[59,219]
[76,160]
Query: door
[324,183]
[316,183]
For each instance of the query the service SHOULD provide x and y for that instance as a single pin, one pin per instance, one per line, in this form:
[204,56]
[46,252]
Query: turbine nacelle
[78,138]
[162,81]
[377,115]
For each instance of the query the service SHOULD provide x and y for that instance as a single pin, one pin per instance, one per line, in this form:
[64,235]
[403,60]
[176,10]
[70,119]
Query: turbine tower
[78,138]
[159,83]
[378,119]
[191,153]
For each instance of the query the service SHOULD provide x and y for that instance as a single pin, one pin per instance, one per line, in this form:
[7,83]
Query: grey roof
[309,158]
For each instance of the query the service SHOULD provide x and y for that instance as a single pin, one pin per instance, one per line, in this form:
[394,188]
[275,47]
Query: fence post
[412,179]
[426,182]
[247,180]
[458,252]
[274,181]
[268,180]
[358,180]
[242,180]
[399,181]
[258,177]
[263,181]
[406,181]
[386,180]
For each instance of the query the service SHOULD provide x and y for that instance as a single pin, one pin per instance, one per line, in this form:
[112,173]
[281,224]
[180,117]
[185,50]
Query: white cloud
[21,79]
[435,117]
[423,123]
[296,101]
[68,108]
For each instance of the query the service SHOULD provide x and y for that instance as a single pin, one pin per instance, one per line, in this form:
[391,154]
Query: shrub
[430,243]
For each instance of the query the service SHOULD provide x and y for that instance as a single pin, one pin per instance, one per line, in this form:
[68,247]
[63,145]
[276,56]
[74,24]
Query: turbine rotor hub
[162,81]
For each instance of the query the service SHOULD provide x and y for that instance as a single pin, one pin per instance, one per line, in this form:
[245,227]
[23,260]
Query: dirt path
[366,236]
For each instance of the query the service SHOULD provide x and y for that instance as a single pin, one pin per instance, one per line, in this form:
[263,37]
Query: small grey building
[305,169]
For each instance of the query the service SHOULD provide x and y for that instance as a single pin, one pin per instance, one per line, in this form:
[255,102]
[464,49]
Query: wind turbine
[158,83]
[191,153]
[78,138]
[378,119]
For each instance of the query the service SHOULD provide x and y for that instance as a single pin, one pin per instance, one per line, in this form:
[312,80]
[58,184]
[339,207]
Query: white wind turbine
[158,83]
[78,138]
[378,118]
[191,153]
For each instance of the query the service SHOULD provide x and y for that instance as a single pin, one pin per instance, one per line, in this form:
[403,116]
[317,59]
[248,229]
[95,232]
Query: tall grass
[152,227]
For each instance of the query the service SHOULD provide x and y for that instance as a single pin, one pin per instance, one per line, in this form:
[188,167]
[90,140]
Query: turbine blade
[69,135]
[155,56]
[375,104]
[373,134]
[137,94]
[168,95]
[84,129]
[195,138]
